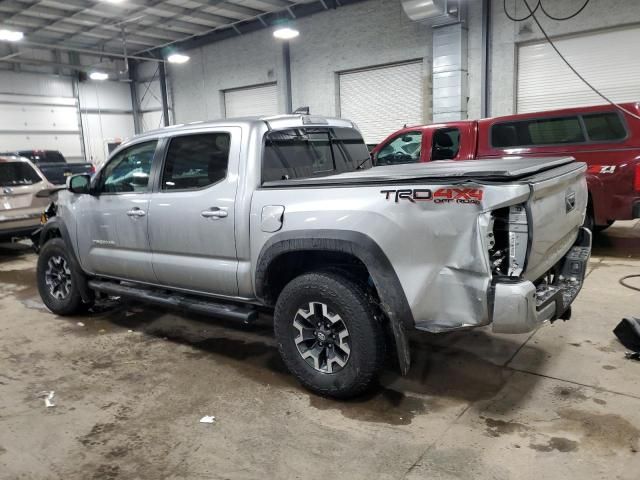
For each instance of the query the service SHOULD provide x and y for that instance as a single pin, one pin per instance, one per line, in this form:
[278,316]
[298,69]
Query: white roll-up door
[260,100]
[608,60]
[382,100]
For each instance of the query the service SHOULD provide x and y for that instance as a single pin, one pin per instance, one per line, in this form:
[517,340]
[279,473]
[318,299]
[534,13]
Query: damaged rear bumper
[520,306]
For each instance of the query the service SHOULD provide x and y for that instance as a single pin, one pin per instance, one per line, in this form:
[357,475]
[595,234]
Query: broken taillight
[509,241]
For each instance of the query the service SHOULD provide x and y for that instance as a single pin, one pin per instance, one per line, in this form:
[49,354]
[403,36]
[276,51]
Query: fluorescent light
[11,36]
[286,33]
[113,1]
[178,58]
[98,76]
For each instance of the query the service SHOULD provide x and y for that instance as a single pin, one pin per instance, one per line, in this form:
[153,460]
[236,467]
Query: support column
[450,92]
[163,95]
[485,80]
[286,63]
[135,104]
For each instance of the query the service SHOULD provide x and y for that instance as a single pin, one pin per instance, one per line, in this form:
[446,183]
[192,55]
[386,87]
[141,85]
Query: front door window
[404,148]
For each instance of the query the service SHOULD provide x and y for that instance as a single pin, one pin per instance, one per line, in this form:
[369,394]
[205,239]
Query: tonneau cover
[505,169]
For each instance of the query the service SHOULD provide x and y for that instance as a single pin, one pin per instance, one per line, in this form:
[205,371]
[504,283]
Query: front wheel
[56,282]
[328,335]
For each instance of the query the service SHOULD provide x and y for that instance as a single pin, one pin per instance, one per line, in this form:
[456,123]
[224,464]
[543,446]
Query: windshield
[312,152]
[17,173]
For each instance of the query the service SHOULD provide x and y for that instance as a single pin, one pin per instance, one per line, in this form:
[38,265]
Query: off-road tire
[366,340]
[71,302]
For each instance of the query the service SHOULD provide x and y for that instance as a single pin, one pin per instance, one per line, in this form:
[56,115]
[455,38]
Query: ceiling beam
[87,51]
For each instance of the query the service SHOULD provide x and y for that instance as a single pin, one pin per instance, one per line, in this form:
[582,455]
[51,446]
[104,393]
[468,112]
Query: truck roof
[275,122]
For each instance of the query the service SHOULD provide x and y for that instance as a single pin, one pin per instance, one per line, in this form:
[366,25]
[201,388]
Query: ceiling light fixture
[98,76]
[11,35]
[178,58]
[285,33]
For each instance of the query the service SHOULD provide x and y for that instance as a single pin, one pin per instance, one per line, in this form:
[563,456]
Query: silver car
[20,208]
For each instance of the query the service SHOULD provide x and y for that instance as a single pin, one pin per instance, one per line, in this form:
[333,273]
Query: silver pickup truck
[286,213]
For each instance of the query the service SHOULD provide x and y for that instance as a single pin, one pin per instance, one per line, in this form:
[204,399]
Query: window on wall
[196,161]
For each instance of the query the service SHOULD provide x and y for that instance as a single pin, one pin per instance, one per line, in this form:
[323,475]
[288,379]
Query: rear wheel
[328,335]
[57,284]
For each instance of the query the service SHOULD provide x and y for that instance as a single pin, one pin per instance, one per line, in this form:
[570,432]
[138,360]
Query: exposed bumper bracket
[520,306]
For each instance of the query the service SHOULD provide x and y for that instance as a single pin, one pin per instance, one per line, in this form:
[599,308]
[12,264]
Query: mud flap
[402,345]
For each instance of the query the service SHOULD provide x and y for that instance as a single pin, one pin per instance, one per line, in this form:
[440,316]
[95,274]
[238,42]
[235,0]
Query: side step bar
[177,301]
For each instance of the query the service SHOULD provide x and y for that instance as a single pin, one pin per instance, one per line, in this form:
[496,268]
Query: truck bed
[501,169]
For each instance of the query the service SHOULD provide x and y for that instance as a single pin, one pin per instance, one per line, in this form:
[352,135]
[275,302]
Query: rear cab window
[312,152]
[15,174]
[196,161]
[575,129]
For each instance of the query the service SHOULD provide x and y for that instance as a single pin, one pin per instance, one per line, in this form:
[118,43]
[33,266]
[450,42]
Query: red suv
[603,136]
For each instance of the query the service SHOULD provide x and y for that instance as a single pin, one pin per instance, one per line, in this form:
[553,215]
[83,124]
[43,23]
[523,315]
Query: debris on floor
[208,419]
[48,398]
[80,324]
[628,333]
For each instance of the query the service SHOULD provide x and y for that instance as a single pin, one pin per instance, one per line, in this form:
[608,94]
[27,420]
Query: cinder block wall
[371,33]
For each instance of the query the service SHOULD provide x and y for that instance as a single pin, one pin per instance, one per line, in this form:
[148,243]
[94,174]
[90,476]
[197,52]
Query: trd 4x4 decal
[441,195]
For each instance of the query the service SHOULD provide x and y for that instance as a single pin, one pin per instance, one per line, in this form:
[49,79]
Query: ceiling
[144,26]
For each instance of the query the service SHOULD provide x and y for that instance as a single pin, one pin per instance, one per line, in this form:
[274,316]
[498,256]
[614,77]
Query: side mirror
[79,183]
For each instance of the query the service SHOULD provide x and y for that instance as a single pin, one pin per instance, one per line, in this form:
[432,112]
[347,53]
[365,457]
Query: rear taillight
[92,169]
[636,181]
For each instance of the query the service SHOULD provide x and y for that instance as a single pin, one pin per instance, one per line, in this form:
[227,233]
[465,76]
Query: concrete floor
[132,383]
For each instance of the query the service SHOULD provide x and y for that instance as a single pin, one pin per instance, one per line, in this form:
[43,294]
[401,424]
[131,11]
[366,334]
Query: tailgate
[556,208]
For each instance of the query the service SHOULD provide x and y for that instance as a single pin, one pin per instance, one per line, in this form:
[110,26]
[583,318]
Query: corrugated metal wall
[609,60]
[41,112]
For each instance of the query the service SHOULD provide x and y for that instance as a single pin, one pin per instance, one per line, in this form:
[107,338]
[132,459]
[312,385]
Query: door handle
[214,212]
[136,212]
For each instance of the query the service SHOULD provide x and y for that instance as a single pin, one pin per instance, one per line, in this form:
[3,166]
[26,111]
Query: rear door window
[404,148]
[14,174]
[445,144]
[538,131]
[604,127]
[196,161]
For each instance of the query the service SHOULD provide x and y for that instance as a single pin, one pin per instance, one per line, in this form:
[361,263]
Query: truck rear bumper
[520,306]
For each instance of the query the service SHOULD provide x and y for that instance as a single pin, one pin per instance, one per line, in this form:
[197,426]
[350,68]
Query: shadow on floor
[621,240]
[444,374]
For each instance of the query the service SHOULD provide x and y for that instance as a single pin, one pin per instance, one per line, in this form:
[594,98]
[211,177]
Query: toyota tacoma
[286,213]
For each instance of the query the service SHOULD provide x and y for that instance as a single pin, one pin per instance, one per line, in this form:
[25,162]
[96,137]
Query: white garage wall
[39,112]
[106,116]
[258,100]
[197,87]
[355,36]
[599,15]
[545,82]
[382,100]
